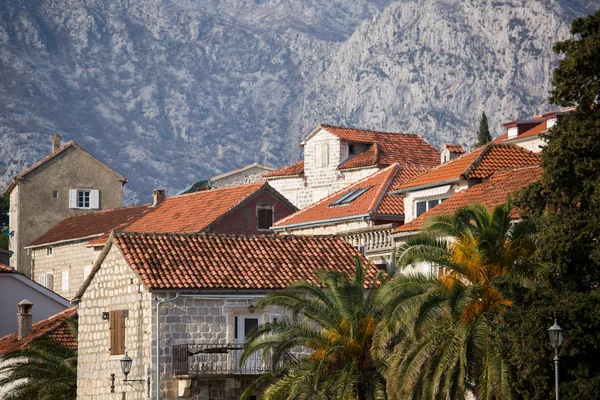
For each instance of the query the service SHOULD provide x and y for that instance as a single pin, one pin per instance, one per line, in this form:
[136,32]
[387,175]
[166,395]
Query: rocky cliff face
[169,92]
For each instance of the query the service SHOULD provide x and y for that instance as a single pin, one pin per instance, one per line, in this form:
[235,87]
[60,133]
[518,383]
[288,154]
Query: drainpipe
[161,302]
[189,296]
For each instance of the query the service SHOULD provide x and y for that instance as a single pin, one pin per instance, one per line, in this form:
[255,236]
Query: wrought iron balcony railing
[211,359]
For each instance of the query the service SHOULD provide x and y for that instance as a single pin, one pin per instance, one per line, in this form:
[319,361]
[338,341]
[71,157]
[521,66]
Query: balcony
[376,239]
[212,359]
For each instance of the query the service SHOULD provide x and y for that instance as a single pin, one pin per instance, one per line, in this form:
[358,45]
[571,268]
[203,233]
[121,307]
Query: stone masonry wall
[201,320]
[73,257]
[114,287]
[288,187]
[250,175]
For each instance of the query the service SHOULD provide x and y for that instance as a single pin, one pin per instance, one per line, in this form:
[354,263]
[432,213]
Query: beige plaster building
[335,157]
[66,182]
[196,294]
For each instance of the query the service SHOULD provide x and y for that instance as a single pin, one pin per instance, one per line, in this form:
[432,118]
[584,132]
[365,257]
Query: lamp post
[556,338]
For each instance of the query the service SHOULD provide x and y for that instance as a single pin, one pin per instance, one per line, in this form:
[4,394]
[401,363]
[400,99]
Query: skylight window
[349,196]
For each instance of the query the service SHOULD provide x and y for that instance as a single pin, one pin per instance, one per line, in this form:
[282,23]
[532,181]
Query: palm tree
[448,348]
[45,370]
[334,323]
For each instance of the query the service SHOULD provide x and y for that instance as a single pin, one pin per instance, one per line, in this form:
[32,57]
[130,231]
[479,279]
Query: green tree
[45,369]
[449,346]
[483,134]
[564,206]
[335,320]
[4,208]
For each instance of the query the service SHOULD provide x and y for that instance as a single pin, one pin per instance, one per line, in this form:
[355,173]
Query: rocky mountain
[172,91]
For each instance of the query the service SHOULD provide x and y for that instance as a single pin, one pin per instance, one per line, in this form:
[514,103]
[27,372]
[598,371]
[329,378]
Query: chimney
[24,318]
[158,195]
[55,143]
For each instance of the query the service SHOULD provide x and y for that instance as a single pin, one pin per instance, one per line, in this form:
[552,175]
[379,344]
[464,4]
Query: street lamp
[556,338]
[126,363]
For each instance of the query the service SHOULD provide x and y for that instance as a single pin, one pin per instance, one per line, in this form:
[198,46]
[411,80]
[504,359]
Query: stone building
[63,256]
[15,287]
[66,182]
[335,157]
[364,213]
[196,293]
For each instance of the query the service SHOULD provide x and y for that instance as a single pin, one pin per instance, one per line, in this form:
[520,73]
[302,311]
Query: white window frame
[47,280]
[49,250]
[93,196]
[426,201]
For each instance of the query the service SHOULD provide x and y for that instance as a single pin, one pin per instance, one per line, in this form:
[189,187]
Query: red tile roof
[6,269]
[54,327]
[205,261]
[290,170]
[194,212]
[90,224]
[405,149]
[490,192]
[375,200]
[478,164]
[386,148]
[50,156]
[454,148]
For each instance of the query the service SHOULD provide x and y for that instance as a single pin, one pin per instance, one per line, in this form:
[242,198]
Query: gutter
[425,186]
[335,220]
[64,241]
[178,295]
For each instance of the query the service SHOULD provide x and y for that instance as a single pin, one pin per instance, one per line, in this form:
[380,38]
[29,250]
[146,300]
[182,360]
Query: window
[65,281]
[351,149]
[116,319]
[321,155]
[349,196]
[48,251]
[275,318]
[84,198]
[47,280]
[86,271]
[55,194]
[265,216]
[426,205]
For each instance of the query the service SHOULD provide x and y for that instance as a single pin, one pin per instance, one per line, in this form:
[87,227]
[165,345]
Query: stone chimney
[24,318]
[158,195]
[55,143]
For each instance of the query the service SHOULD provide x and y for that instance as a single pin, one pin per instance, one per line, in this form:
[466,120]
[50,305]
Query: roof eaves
[64,241]
[319,222]
[425,186]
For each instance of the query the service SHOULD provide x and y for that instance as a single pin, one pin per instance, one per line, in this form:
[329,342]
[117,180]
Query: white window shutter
[94,199]
[72,198]
[65,281]
[43,280]
[86,271]
[50,281]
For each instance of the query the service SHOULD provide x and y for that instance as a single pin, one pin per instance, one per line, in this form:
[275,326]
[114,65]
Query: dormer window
[349,196]
[426,205]
[321,155]
[351,149]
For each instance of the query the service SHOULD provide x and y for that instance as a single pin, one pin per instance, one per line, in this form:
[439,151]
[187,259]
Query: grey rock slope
[168,92]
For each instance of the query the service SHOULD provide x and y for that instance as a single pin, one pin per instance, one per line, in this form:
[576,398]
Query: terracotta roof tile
[54,327]
[193,212]
[290,170]
[90,224]
[455,148]
[6,269]
[205,261]
[478,164]
[403,148]
[386,148]
[490,192]
[375,200]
